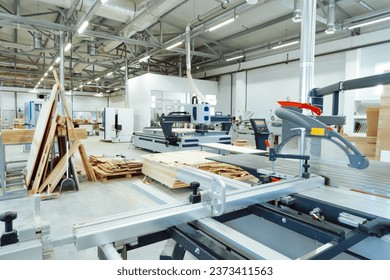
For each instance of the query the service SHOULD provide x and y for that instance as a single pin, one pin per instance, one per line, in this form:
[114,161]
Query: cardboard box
[372,120]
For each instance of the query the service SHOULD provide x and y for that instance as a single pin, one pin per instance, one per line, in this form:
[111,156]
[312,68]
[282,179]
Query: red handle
[308,106]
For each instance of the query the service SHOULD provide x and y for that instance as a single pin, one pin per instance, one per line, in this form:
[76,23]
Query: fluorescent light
[285,45]
[38,83]
[116,88]
[45,74]
[369,22]
[89,82]
[103,1]
[174,45]
[234,58]
[41,79]
[123,68]
[51,68]
[75,88]
[68,46]
[109,74]
[57,59]
[99,94]
[83,26]
[68,93]
[97,79]
[107,91]
[144,58]
[81,86]
[221,24]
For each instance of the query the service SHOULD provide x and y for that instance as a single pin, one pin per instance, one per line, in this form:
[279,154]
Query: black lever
[10,236]
[195,196]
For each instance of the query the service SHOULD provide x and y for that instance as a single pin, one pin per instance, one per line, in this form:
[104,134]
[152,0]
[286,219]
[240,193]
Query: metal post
[62,74]
[308,28]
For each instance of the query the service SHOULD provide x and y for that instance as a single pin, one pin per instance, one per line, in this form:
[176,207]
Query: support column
[308,28]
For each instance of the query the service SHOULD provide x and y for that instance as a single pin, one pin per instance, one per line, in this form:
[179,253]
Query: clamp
[10,235]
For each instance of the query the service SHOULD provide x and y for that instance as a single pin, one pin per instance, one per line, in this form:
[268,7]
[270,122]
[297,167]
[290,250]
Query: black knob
[7,218]
[194,186]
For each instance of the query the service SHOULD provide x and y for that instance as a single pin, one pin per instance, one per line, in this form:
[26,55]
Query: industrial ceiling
[126,38]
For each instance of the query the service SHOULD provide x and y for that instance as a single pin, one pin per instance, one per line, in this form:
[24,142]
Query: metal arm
[295,119]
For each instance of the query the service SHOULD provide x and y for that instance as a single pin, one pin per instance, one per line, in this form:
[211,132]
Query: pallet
[114,168]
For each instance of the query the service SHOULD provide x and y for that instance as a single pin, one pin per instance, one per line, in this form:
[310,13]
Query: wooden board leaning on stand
[45,168]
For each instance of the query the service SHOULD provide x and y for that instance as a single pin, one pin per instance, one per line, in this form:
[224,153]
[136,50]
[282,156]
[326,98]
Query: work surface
[233,149]
[374,179]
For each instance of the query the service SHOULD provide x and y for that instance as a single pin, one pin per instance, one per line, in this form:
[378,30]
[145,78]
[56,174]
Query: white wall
[117,102]
[224,98]
[140,92]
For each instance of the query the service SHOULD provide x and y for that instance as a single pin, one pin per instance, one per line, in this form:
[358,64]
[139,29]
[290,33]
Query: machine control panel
[259,126]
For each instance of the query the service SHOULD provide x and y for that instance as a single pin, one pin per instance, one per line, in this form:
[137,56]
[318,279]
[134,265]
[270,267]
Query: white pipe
[308,28]
[144,19]
[118,10]
[200,96]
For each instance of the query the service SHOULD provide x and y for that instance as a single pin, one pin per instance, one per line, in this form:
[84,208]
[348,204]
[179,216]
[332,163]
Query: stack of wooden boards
[162,167]
[111,168]
[52,147]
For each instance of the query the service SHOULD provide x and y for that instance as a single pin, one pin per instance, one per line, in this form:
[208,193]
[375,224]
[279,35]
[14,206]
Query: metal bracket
[218,196]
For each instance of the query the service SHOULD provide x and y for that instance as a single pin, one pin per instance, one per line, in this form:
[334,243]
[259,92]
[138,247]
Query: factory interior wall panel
[83,103]
[7,101]
[23,97]
[140,93]
[268,85]
[117,102]
[224,99]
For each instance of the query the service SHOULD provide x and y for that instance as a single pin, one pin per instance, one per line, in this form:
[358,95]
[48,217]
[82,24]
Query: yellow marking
[318,131]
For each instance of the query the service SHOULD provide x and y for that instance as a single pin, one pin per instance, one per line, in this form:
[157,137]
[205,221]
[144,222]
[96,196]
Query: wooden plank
[58,171]
[45,116]
[26,136]
[44,158]
[87,166]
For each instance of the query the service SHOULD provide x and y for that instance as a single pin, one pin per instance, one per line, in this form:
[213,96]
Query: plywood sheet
[39,134]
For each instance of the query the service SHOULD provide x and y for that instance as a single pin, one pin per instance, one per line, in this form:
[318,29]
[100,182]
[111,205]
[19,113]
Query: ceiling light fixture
[46,74]
[116,88]
[144,58]
[57,60]
[89,82]
[51,68]
[100,94]
[97,79]
[82,27]
[41,80]
[285,45]
[107,91]
[251,2]
[369,22]
[109,74]
[174,45]
[103,1]
[215,27]
[123,68]
[234,58]
[68,46]
[75,88]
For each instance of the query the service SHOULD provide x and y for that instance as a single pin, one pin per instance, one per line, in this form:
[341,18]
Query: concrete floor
[94,200]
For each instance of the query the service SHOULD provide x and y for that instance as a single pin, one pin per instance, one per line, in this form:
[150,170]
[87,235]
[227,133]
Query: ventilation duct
[37,41]
[330,19]
[144,19]
[118,10]
[297,17]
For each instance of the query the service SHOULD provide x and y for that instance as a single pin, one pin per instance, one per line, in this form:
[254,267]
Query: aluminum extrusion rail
[138,223]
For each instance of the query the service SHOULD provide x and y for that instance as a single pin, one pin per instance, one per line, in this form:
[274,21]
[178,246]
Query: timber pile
[113,168]
[45,167]
[162,167]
